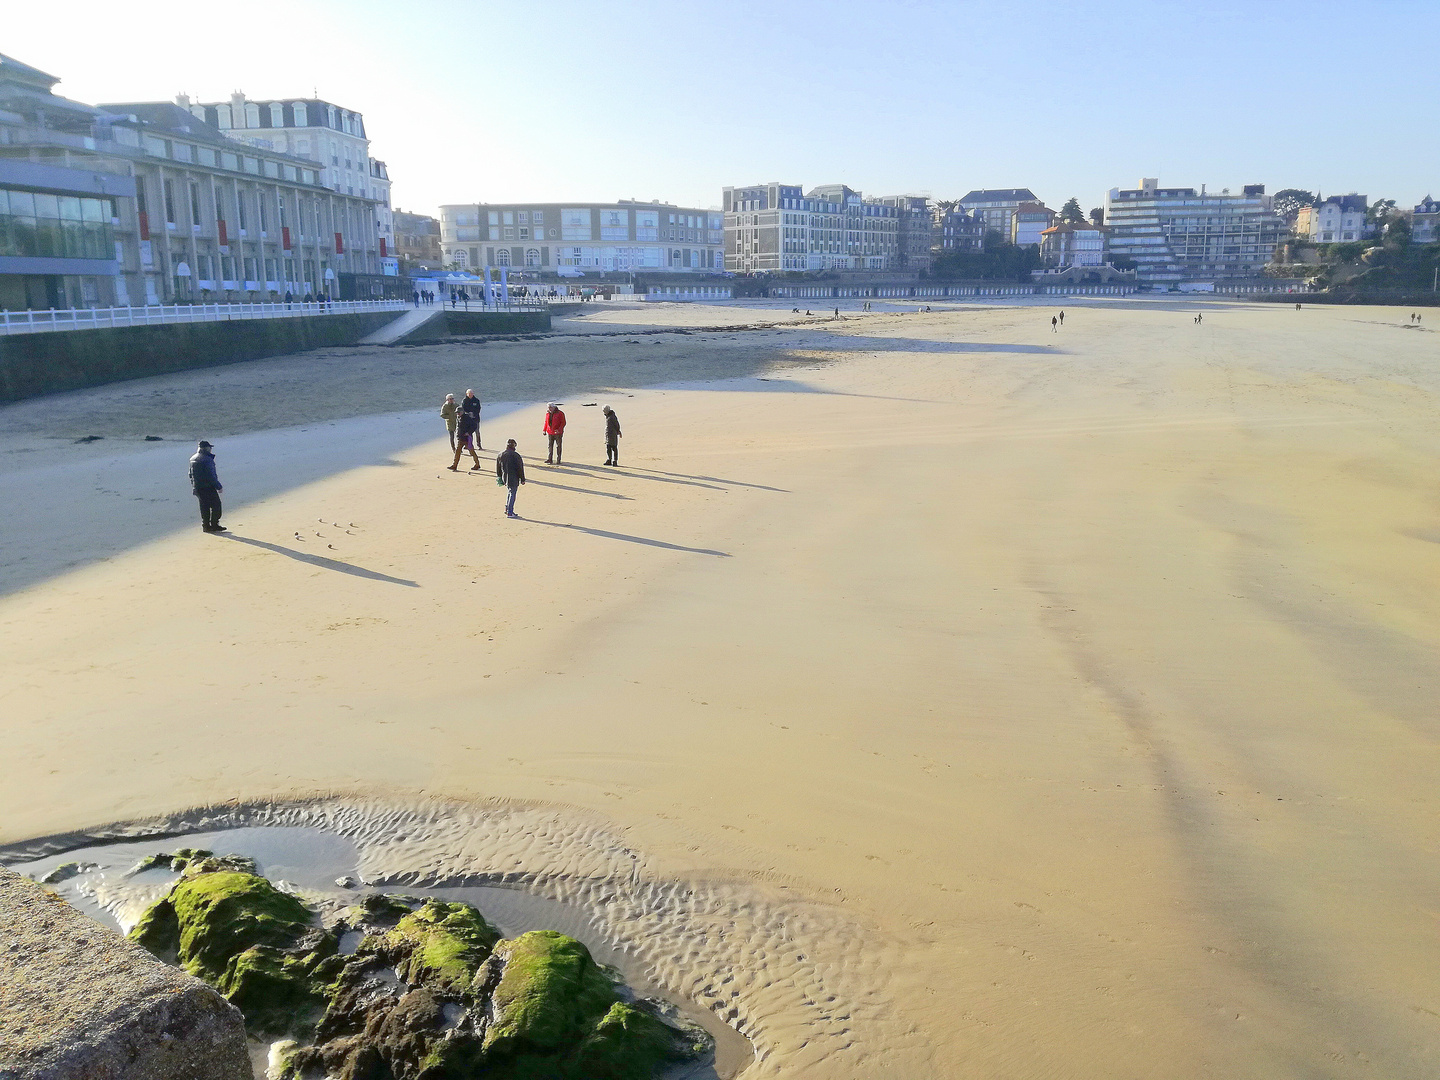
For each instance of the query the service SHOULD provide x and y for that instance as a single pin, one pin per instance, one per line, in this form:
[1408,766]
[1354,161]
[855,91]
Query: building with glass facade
[1179,234]
[562,238]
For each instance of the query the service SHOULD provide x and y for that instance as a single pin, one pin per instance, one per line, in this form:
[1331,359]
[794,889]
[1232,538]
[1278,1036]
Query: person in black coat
[510,473]
[205,483]
[612,436]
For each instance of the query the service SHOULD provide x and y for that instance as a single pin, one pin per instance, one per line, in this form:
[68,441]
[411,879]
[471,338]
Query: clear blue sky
[560,100]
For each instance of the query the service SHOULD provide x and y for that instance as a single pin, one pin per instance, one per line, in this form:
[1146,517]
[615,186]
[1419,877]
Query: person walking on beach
[205,483]
[471,406]
[448,413]
[612,436]
[554,429]
[510,474]
[466,435]
[415,295]
[1062,316]
[1054,325]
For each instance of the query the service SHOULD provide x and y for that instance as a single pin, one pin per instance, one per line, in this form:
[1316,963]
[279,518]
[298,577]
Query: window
[523,217]
[240,207]
[252,115]
[524,233]
[277,115]
[194,203]
[494,217]
[538,217]
[300,118]
[509,231]
[222,117]
[170,202]
[532,257]
[502,256]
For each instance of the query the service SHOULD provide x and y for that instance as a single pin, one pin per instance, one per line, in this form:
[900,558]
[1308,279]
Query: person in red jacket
[555,429]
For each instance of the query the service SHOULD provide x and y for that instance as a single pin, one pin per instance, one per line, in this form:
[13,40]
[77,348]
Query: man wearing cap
[555,429]
[510,473]
[205,483]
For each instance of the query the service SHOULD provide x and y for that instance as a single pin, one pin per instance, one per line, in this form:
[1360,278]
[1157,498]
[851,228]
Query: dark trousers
[612,452]
[555,448]
[209,507]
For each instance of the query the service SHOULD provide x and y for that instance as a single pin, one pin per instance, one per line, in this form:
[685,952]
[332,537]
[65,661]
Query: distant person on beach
[554,430]
[510,473]
[1054,325]
[612,436]
[205,483]
[837,313]
[448,412]
[1199,316]
[289,297]
[416,294]
[471,406]
[1062,317]
[1297,307]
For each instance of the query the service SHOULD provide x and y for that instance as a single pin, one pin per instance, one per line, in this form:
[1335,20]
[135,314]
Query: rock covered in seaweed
[430,992]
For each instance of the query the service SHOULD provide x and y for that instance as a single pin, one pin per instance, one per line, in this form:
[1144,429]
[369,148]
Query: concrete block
[79,1002]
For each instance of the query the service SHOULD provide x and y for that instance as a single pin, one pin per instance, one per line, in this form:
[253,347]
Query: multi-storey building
[1335,220]
[191,214]
[916,235]
[1029,221]
[997,206]
[957,230]
[1077,244]
[770,227]
[1177,234]
[327,134]
[1425,221]
[566,237]
[417,240]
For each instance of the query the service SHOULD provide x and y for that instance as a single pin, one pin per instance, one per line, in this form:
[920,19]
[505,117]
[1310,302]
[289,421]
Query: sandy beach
[927,694]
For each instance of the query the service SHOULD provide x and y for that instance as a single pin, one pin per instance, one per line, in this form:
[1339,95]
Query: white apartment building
[1029,222]
[1177,234]
[1336,220]
[325,133]
[778,227]
[1078,244]
[563,238]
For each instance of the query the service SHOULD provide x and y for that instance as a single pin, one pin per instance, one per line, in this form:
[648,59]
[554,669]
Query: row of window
[39,224]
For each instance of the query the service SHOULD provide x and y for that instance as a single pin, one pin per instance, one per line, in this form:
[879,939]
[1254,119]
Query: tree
[1397,232]
[1097,216]
[1289,201]
[1071,212]
[1380,213]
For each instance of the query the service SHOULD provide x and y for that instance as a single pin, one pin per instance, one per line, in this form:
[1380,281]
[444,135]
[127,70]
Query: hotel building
[778,227]
[1336,220]
[1177,234]
[561,238]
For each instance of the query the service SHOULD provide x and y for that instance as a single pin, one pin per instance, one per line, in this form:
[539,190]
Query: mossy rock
[275,990]
[551,993]
[440,946]
[629,1044]
[223,914]
[159,931]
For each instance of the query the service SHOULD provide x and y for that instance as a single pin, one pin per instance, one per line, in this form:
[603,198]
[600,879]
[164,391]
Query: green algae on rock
[430,992]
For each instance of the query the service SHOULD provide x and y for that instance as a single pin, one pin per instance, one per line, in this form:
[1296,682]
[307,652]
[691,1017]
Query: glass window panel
[24,236]
[69,208]
[72,235]
[48,241]
[94,210]
[4,201]
[46,206]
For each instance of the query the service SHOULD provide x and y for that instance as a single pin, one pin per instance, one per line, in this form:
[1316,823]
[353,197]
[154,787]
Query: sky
[589,100]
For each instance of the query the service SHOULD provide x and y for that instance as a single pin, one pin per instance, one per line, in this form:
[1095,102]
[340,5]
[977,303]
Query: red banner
[285,237]
[339,244]
[224,239]
[144,225]
[382,247]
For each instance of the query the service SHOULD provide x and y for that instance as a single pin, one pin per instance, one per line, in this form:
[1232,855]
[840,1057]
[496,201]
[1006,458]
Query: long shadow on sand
[641,475]
[656,474]
[580,490]
[322,562]
[630,539]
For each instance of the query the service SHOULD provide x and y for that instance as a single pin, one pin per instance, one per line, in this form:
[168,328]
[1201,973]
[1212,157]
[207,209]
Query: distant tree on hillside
[1288,201]
[1071,212]
[1380,213]
[1398,232]
[1097,216]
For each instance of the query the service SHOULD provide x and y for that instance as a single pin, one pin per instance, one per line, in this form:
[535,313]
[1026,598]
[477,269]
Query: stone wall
[457,323]
[79,1002]
[49,362]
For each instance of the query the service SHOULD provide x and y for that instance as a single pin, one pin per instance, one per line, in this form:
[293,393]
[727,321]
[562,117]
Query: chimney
[237,108]
[183,100]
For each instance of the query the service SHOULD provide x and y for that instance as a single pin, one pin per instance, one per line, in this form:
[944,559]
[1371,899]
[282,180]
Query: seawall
[47,363]
[456,323]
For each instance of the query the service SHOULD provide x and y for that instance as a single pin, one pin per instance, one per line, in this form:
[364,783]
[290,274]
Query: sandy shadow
[656,473]
[661,478]
[630,539]
[579,490]
[322,562]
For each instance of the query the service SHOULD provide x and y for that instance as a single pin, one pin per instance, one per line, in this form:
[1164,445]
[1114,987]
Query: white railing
[31,322]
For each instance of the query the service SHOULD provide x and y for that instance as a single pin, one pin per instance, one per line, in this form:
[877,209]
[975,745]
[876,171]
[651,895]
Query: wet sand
[978,701]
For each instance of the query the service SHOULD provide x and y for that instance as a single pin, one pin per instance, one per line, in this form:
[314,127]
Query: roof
[1076,226]
[1001,195]
[169,117]
[24,73]
[1346,202]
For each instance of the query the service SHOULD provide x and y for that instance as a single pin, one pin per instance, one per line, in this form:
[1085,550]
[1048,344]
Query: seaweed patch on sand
[771,974]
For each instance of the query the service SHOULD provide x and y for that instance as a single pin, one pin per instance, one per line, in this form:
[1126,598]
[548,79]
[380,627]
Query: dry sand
[973,701]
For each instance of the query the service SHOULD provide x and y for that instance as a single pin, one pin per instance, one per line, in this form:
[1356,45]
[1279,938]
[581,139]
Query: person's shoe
[206,528]
[512,515]
[549,462]
[453,468]
[217,527]
[474,468]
